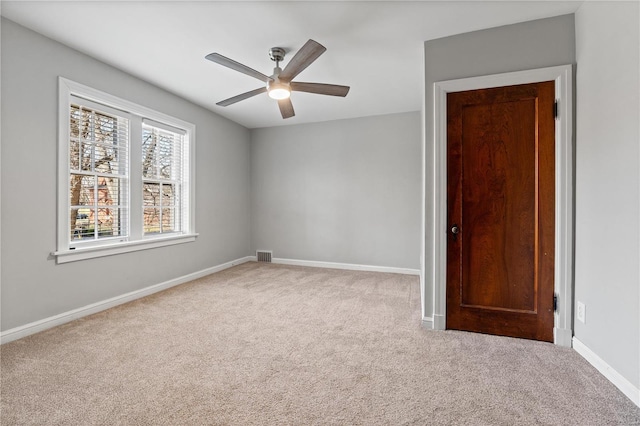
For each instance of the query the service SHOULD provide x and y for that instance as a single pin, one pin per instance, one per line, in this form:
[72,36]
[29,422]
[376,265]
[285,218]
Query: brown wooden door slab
[501,195]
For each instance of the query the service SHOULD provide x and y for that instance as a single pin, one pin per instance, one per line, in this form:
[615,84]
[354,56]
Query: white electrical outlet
[580,314]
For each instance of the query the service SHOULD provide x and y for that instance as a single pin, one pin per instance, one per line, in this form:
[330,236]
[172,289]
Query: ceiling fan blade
[230,63]
[320,88]
[242,97]
[301,60]
[286,108]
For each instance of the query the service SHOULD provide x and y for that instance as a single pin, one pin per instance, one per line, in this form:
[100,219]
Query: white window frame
[136,240]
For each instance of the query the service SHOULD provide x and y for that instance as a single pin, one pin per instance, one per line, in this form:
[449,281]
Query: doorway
[500,209]
[435,289]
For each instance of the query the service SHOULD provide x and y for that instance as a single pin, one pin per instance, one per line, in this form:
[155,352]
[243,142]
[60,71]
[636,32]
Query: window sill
[67,256]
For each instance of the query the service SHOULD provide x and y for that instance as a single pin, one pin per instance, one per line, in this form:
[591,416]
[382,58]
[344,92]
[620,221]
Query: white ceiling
[375,47]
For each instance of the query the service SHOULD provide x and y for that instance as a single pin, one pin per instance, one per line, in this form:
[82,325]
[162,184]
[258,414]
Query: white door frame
[563,274]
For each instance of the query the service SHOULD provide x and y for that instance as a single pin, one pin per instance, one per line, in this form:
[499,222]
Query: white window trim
[65,253]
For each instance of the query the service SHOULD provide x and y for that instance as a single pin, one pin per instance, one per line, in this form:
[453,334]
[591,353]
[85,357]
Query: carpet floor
[273,344]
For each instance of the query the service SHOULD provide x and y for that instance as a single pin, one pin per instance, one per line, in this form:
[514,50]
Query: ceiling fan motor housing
[276,54]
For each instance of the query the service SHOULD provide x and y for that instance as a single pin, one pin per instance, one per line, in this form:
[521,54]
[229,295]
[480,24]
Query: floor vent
[263,256]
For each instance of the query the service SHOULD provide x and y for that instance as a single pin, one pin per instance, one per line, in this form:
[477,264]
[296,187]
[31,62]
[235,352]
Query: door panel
[501,198]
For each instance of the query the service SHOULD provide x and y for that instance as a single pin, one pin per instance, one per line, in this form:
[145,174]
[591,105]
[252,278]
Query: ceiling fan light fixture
[278,90]
[280,84]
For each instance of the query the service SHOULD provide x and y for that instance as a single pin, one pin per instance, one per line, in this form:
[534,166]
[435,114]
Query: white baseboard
[65,317]
[348,266]
[625,386]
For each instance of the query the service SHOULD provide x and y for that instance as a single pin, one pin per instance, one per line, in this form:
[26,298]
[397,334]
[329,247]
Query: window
[161,179]
[125,176]
[98,175]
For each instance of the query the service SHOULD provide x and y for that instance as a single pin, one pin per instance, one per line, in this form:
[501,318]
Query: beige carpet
[271,344]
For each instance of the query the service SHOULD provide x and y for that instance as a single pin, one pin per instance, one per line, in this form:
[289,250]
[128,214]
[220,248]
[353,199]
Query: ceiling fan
[279,85]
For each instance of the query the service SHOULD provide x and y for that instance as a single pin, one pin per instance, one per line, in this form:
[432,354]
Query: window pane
[74,154]
[79,124]
[86,124]
[105,159]
[165,154]
[158,153]
[106,128]
[81,190]
[108,191]
[148,151]
[81,223]
[151,220]
[151,194]
[109,223]
[168,195]
[74,121]
[168,220]
[86,154]
[118,217]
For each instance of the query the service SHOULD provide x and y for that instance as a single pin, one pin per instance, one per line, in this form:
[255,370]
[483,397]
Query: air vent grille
[263,256]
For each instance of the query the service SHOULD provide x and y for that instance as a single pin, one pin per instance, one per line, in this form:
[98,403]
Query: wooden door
[501,207]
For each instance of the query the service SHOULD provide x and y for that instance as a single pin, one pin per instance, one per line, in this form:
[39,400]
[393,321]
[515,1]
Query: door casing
[563,272]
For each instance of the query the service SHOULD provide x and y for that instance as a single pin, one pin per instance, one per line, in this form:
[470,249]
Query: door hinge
[555,109]
[555,303]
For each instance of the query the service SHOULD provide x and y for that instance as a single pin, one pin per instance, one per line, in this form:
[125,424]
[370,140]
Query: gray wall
[33,286]
[607,182]
[345,191]
[528,45]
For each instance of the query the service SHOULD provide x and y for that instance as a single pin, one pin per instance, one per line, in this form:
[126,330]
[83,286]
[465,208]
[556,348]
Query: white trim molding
[625,386]
[347,266]
[427,322]
[65,317]
[563,275]
[122,247]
